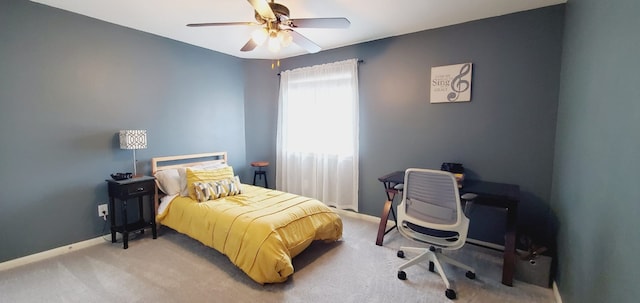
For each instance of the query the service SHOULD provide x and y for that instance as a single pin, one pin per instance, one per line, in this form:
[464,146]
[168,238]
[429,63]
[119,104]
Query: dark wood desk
[389,181]
[492,194]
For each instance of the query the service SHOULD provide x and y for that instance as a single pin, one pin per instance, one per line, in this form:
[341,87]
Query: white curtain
[317,140]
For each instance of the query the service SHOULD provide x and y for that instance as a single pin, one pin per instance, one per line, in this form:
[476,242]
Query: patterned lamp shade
[133,139]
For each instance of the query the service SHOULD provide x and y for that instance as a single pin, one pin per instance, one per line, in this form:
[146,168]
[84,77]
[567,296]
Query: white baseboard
[50,253]
[486,244]
[354,214]
[556,292]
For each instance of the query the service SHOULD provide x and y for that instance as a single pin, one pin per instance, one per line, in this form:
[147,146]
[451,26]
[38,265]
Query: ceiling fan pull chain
[275,63]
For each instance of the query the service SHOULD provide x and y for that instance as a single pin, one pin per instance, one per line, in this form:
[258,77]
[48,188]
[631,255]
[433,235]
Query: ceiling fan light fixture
[285,38]
[274,43]
[274,24]
[259,35]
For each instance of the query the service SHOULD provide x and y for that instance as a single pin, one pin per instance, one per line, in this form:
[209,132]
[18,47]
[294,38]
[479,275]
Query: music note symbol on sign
[458,84]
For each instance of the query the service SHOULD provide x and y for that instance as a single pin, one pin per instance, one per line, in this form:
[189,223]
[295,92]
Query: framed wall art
[451,83]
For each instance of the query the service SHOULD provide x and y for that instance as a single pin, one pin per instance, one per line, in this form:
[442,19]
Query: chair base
[435,257]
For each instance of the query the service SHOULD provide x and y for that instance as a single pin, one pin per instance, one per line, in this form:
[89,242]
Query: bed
[260,230]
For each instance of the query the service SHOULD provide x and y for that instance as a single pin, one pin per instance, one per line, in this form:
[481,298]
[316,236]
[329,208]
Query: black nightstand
[123,191]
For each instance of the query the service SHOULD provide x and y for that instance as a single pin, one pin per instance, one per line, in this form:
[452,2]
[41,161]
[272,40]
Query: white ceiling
[370,19]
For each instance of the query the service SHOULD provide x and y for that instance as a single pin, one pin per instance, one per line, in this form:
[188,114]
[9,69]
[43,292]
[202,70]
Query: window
[318,133]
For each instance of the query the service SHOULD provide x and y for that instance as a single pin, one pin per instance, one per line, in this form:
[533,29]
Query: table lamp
[133,139]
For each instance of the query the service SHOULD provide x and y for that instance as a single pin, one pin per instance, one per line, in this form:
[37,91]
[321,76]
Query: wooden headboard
[171,162]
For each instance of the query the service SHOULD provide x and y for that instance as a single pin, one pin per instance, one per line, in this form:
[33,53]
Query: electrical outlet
[103,210]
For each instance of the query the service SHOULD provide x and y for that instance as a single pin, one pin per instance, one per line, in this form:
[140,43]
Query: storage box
[534,271]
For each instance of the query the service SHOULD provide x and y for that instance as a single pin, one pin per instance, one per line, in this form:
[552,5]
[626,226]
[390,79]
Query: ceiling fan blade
[319,23]
[249,46]
[263,8]
[303,42]
[220,24]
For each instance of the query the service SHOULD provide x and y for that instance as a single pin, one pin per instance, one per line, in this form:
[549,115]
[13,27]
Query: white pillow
[210,166]
[182,173]
[168,181]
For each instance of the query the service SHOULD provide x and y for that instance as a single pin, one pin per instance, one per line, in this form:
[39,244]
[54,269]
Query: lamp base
[135,165]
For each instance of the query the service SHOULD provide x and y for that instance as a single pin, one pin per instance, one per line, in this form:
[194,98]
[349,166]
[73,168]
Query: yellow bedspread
[260,230]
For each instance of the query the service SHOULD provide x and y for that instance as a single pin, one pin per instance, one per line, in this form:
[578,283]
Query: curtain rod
[359,61]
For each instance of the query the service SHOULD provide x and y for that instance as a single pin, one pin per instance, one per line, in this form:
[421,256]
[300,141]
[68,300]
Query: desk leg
[509,258]
[383,222]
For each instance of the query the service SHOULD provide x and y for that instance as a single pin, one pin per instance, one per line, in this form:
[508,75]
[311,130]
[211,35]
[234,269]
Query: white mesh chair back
[431,200]
[430,197]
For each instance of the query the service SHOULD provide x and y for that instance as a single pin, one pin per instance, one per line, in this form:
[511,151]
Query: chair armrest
[468,202]
[469,196]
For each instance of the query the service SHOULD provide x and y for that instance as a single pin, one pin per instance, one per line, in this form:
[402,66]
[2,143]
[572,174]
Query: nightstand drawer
[139,188]
[135,189]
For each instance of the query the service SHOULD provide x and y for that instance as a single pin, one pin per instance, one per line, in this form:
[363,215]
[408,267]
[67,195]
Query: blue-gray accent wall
[505,134]
[68,84]
[261,109]
[597,156]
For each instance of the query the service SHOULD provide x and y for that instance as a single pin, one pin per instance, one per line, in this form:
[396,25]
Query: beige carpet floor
[175,268]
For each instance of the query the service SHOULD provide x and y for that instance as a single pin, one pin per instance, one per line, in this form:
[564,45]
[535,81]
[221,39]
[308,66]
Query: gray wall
[68,84]
[595,186]
[261,109]
[505,134]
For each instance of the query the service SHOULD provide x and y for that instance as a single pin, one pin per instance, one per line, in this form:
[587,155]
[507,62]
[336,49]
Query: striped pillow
[206,176]
[231,186]
[205,191]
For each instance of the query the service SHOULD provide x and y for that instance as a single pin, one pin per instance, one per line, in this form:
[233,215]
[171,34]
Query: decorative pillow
[218,189]
[182,172]
[234,186]
[230,187]
[168,181]
[205,191]
[204,176]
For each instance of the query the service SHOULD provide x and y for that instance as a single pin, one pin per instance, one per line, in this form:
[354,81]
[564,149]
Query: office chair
[431,213]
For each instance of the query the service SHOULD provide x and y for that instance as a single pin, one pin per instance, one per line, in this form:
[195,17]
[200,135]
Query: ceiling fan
[277,27]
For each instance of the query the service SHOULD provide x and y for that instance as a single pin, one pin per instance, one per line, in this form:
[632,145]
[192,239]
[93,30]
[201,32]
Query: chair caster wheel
[471,275]
[450,293]
[402,275]
[400,254]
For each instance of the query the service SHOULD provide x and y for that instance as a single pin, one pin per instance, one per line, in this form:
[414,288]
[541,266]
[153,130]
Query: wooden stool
[260,172]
